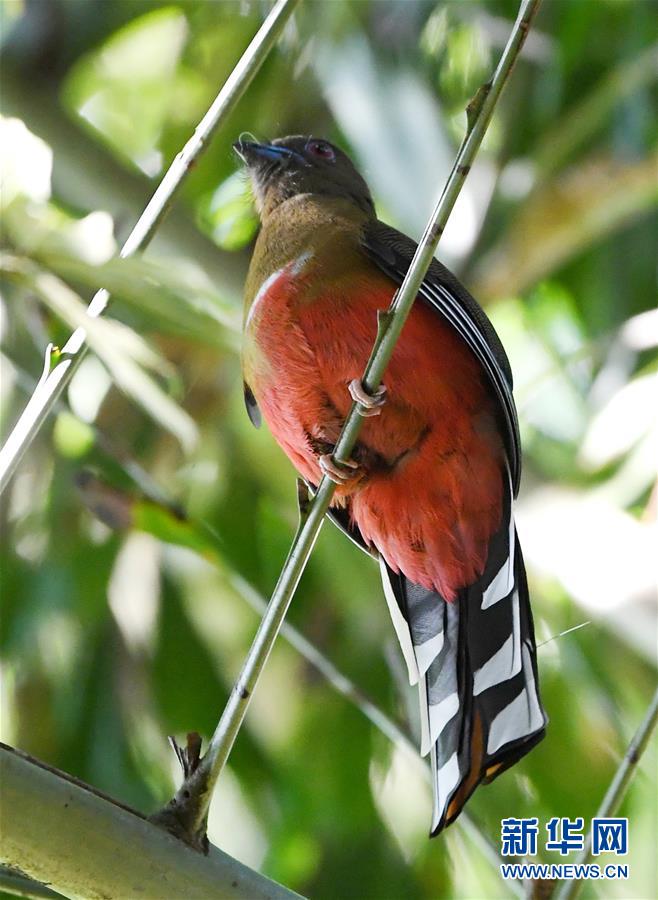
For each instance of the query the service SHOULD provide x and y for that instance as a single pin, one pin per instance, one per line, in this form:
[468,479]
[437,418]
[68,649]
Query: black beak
[251,152]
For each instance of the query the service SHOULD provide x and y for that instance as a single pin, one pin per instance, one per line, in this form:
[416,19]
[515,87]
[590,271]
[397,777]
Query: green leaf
[121,89]
[165,525]
[229,214]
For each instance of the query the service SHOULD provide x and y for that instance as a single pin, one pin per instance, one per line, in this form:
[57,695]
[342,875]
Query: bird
[430,485]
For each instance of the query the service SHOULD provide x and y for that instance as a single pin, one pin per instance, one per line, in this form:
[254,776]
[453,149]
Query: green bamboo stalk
[60,365]
[189,808]
[377,717]
[59,831]
[11,882]
[615,793]
[334,677]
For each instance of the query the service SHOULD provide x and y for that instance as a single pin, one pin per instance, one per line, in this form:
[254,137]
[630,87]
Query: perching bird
[430,485]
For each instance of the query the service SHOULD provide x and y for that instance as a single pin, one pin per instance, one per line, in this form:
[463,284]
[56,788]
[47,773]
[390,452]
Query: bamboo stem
[59,831]
[17,885]
[197,789]
[615,793]
[61,364]
[344,686]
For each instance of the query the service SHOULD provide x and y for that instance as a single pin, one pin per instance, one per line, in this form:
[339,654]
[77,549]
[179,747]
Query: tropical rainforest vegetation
[148,516]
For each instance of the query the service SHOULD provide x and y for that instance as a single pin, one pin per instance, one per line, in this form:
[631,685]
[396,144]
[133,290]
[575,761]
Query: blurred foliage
[122,619]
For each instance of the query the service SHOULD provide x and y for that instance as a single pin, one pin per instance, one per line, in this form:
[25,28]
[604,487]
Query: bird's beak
[251,152]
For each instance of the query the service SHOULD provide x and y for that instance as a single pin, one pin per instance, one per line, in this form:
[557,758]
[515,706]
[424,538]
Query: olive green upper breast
[321,235]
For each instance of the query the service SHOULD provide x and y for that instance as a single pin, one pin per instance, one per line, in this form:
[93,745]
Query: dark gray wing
[252,407]
[393,251]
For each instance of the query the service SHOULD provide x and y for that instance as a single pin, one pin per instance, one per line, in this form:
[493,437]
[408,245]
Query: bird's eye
[321,149]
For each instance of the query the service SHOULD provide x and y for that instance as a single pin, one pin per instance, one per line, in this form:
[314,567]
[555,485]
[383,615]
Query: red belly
[433,509]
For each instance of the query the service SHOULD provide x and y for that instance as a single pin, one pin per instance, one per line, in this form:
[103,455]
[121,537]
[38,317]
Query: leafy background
[125,620]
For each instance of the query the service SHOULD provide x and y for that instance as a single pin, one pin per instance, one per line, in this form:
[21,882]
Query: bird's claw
[369,404]
[340,473]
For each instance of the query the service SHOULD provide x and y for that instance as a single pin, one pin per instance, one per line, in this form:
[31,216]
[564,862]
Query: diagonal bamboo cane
[335,678]
[60,831]
[59,365]
[187,811]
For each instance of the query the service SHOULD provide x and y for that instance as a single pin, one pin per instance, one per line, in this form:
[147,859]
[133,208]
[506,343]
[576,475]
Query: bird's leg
[348,474]
[369,404]
[344,474]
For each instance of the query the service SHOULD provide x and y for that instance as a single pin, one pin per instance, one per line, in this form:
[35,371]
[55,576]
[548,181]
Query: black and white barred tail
[474,661]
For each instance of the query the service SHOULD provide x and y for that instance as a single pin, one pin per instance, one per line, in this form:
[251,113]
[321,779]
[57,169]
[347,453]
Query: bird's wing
[253,410]
[392,252]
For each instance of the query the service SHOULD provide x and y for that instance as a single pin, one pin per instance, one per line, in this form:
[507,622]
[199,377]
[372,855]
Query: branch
[59,369]
[187,812]
[616,791]
[100,497]
[83,168]
[126,356]
[82,844]
[12,882]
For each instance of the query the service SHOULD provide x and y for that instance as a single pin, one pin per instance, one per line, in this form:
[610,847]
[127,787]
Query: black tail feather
[475,663]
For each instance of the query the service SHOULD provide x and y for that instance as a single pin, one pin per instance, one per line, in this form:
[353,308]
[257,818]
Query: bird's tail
[475,664]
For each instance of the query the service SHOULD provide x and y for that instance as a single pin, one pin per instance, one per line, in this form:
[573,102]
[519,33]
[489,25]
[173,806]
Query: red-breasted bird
[430,486]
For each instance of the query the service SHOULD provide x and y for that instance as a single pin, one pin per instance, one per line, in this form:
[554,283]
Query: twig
[197,790]
[340,682]
[126,356]
[555,637]
[615,793]
[60,366]
[384,723]
[188,755]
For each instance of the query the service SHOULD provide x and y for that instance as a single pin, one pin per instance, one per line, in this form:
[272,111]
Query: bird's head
[291,166]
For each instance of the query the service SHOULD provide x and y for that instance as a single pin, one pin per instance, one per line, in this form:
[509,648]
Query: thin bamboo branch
[344,686]
[82,844]
[126,356]
[615,793]
[189,808]
[336,679]
[60,365]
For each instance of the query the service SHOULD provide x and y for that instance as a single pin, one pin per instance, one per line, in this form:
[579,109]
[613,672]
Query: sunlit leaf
[25,163]
[121,88]
[122,350]
[229,213]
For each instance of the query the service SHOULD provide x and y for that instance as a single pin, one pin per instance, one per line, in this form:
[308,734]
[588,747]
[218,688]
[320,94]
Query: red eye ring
[321,149]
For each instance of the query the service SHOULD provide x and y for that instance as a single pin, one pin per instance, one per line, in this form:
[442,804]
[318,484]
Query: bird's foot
[369,404]
[342,474]
[186,814]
